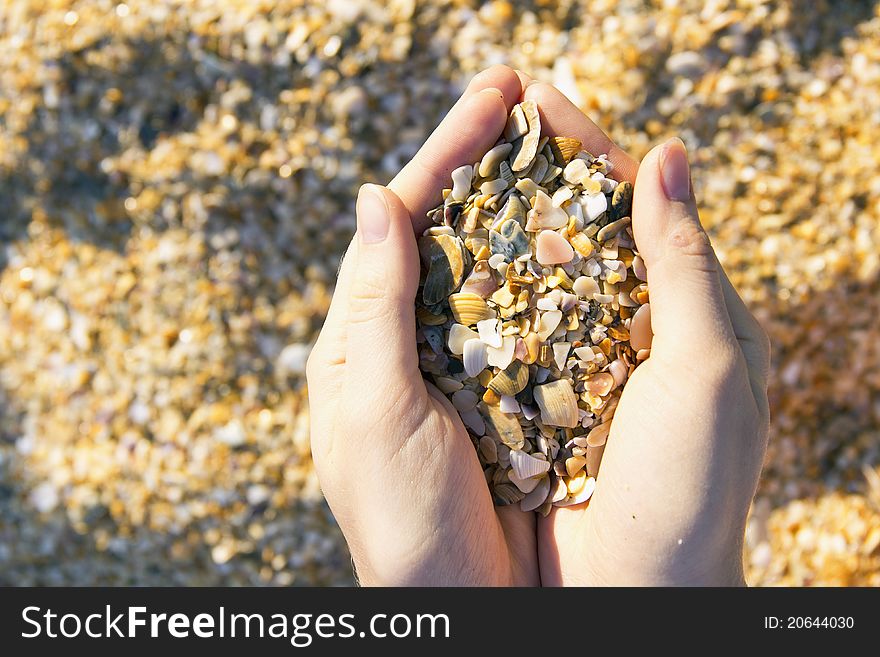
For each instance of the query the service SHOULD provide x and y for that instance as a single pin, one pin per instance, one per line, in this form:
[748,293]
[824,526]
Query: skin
[687,441]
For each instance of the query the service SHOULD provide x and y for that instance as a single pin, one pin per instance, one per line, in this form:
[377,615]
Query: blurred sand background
[177,182]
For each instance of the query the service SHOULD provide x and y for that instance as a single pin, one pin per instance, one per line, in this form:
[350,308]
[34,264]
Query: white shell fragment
[458,335]
[475,357]
[528,147]
[527,466]
[544,214]
[532,311]
[461,182]
[502,356]
[595,205]
[491,160]
[490,332]
[537,497]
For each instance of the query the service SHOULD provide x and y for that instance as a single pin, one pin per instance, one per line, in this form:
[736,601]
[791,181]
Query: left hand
[394,460]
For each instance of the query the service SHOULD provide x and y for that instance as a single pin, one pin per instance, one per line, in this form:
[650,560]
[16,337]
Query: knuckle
[689,239]
[369,297]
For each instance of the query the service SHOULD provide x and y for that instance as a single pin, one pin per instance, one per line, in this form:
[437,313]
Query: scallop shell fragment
[468,309]
[564,148]
[558,403]
[502,426]
[511,380]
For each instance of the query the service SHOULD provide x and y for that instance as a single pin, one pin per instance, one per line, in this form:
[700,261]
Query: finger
[380,341]
[330,346]
[524,79]
[500,77]
[687,302]
[752,340]
[329,351]
[470,129]
[562,118]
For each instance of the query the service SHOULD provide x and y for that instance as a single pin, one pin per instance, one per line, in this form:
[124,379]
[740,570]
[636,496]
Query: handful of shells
[533,310]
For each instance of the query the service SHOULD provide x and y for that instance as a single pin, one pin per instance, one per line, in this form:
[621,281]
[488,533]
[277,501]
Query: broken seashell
[468,309]
[574,464]
[528,146]
[474,357]
[510,380]
[490,332]
[465,400]
[560,353]
[461,182]
[458,335]
[583,495]
[512,210]
[621,201]
[558,403]
[517,124]
[492,187]
[505,494]
[491,160]
[594,205]
[537,497]
[551,248]
[596,440]
[639,269]
[503,427]
[610,230]
[445,258]
[544,215]
[481,281]
[509,404]
[576,482]
[619,371]
[564,148]
[503,356]
[527,466]
[509,241]
[539,168]
[560,196]
[526,485]
[600,383]
[581,243]
[488,449]
[549,321]
[575,172]
[640,333]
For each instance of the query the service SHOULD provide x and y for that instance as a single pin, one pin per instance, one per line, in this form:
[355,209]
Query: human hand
[394,459]
[688,438]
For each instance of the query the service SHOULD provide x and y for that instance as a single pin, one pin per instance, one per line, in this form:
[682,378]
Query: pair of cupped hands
[687,441]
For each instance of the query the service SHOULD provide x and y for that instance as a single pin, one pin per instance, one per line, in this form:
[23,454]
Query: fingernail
[675,173]
[493,90]
[372,215]
[529,80]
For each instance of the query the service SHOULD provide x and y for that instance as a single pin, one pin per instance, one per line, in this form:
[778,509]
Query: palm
[640,499]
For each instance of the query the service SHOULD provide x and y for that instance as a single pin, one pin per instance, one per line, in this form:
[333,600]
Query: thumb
[686,298]
[381,343]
